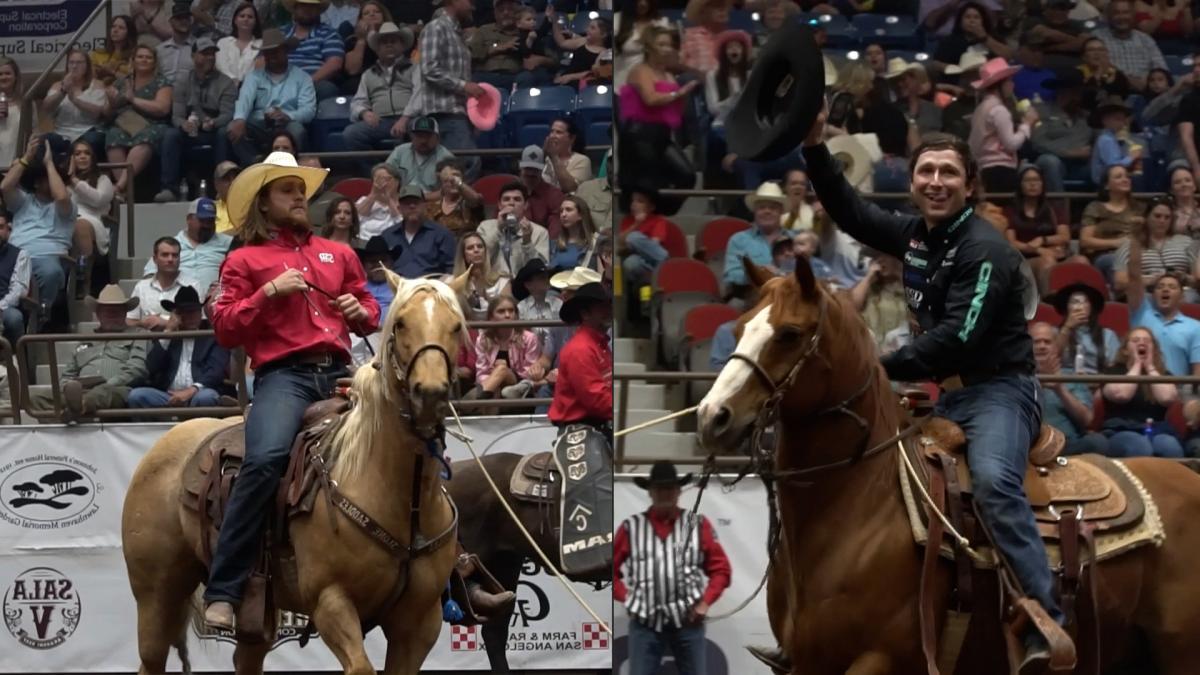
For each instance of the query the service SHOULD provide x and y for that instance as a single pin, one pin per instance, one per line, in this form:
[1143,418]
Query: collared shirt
[323,43]
[335,16]
[598,195]
[212,97]
[1109,151]
[523,351]
[1134,55]
[270,328]
[385,90]
[224,224]
[174,59]
[183,373]
[38,228]
[430,251]
[753,244]
[150,294]
[543,206]
[377,221]
[18,283]
[1059,133]
[584,386]
[420,170]
[235,62]
[481,43]
[445,67]
[293,93]
[530,309]
[1054,411]
[1178,338]
[384,295]
[119,362]
[199,262]
[508,252]
[716,565]
[724,343]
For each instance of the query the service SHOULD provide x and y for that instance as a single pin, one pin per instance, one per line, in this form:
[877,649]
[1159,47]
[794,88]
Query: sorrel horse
[843,588]
[343,575]
[486,530]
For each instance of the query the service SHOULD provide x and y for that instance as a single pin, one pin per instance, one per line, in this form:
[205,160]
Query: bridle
[403,374]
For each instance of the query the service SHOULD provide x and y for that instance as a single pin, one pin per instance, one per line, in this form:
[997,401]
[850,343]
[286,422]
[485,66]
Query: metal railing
[623,380]
[129,205]
[20,386]
[13,411]
[462,152]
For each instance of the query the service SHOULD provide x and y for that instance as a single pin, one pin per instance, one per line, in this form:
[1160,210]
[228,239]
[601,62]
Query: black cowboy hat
[586,296]
[376,245]
[530,270]
[644,169]
[662,473]
[625,199]
[1063,295]
[782,97]
[1108,105]
[185,298]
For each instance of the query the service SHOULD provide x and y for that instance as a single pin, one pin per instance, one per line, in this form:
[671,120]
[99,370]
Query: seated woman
[93,194]
[1109,220]
[116,59]
[504,357]
[641,238]
[485,284]
[585,66]
[455,205]
[1100,74]
[574,241]
[237,54]
[1161,251]
[141,103]
[1136,414]
[1183,199]
[78,105]
[341,222]
[1084,346]
[359,56]
[379,210]
[1039,231]
[12,92]
[284,141]
[566,165]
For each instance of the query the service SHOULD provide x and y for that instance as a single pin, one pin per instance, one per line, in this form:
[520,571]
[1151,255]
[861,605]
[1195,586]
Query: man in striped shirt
[669,569]
[319,50]
[446,78]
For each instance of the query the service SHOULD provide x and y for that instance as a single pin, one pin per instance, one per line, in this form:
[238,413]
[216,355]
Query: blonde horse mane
[374,394]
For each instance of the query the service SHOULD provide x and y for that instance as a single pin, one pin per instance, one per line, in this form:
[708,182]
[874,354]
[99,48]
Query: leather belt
[978,376]
[316,359]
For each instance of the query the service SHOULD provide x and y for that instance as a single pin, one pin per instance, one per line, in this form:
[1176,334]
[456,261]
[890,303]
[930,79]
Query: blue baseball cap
[204,209]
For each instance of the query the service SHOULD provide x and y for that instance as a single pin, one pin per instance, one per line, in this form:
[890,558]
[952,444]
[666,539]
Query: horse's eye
[398,325]
[788,335]
[457,327]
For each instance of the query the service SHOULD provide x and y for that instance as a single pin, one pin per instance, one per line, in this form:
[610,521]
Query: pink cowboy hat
[732,35]
[485,110]
[995,70]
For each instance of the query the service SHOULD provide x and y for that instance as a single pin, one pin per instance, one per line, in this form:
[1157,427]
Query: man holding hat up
[183,372]
[383,104]
[296,336]
[666,579]
[203,104]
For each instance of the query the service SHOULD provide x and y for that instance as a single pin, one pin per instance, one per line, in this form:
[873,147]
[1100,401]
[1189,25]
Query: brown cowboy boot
[487,597]
[219,615]
[773,657]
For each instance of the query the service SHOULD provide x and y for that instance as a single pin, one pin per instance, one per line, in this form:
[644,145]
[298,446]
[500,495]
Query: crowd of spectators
[236,81]
[1080,114]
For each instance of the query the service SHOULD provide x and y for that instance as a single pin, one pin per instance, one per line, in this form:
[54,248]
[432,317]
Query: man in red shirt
[667,554]
[274,300]
[583,391]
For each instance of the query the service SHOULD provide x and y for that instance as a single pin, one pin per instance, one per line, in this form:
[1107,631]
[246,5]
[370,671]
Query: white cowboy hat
[831,72]
[970,60]
[574,279]
[112,295]
[994,71]
[898,66]
[277,165]
[767,192]
[855,159]
[389,28]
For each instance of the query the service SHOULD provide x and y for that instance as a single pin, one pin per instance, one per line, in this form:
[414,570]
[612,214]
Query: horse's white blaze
[757,333]
[430,303]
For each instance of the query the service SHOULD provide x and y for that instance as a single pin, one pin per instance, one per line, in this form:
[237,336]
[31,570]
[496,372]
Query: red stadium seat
[680,285]
[680,274]
[488,187]
[1190,309]
[702,322]
[1065,274]
[1097,410]
[715,234]
[1175,417]
[1048,314]
[699,326]
[353,187]
[676,243]
[1115,317]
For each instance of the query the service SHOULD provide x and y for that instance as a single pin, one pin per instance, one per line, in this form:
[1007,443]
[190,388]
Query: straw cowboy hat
[573,280]
[854,156]
[831,72]
[993,72]
[662,473]
[251,180]
[389,29]
[696,7]
[290,5]
[898,66]
[112,295]
[272,38]
[970,60]
[767,192]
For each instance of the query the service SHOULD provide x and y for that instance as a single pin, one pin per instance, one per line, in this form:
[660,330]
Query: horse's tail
[193,611]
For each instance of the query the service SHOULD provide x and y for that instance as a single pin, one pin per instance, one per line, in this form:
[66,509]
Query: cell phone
[839,109]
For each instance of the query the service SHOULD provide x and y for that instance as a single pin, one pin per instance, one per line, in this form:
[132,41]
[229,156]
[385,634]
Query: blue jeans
[13,323]
[1105,262]
[49,277]
[647,255]
[1135,444]
[149,397]
[646,648]
[326,89]
[281,395]
[173,143]
[537,77]
[457,134]
[1090,443]
[257,141]
[363,136]
[1056,170]
[1000,417]
[501,81]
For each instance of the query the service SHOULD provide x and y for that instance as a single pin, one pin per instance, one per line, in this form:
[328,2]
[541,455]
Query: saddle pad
[231,438]
[526,482]
[1109,543]
[584,459]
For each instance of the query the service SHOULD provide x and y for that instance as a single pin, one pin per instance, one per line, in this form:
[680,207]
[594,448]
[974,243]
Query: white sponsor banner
[739,518]
[67,604]
[34,32]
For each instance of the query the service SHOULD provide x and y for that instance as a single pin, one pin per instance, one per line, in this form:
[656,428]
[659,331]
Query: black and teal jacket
[962,280]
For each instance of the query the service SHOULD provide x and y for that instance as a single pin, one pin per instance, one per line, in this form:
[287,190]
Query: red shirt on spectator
[543,206]
[653,226]
[584,386]
[272,328]
[716,563]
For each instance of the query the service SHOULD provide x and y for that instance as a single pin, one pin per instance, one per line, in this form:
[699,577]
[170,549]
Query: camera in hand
[510,222]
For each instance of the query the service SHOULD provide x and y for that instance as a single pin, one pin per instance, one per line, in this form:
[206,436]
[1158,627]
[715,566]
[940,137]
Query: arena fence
[623,380]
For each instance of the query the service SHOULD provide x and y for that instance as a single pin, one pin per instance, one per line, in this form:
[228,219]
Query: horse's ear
[804,275]
[459,283]
[755,274]
[393,280]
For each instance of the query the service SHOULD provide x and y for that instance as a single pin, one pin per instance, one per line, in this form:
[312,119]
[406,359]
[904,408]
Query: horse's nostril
[417,389]
[722,418]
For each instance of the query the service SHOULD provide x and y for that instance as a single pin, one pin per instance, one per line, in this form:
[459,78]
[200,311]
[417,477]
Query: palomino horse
[844,586]
[344,575]
[486,530]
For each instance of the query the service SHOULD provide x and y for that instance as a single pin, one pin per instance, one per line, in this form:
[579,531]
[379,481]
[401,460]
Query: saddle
[536,479]
[1088,508]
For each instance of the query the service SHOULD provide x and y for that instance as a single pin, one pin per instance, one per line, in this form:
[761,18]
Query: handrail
[14,391]
[31,93]
[461,152]
[129,205]
[714,192]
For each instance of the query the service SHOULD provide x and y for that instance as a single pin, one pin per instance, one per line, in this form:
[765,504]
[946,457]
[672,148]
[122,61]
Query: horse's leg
[248,657]
[507,570]
[341,630]
[870,663]
[162,617]
[409,640]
